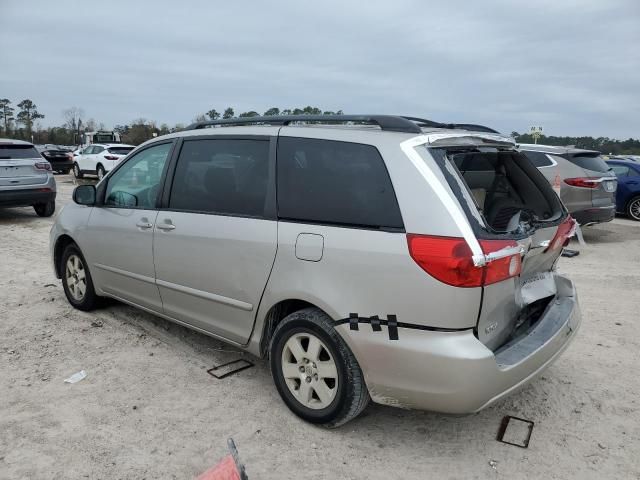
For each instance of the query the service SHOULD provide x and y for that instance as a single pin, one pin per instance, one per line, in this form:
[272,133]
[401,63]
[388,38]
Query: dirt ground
[148,409]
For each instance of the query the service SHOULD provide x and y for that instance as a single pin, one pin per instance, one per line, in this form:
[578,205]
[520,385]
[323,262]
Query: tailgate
[20,172]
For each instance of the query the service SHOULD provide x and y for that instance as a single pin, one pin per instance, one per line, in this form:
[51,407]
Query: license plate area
[537,286]
[609,185]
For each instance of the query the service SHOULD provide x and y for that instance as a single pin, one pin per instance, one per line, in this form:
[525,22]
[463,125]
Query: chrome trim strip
[125,273]
[206,295]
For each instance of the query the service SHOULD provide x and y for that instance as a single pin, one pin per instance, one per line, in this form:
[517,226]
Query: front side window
[331,182]
[87,151]
[97,150]
[137,182]
[224,176]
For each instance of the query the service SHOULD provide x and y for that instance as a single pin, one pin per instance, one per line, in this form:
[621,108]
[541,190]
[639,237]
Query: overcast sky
[571,66]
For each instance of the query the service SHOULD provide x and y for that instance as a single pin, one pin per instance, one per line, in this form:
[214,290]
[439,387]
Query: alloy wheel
[309,371]
[634,209]
[76,278]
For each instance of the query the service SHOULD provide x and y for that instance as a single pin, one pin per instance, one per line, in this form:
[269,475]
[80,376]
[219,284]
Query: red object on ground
[225,470]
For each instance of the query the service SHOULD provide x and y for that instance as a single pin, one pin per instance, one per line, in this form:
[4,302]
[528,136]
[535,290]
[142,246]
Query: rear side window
[539,159]
[222,176]
[620,170]
[10,152]
[119,150]
[340,183]
[590,162]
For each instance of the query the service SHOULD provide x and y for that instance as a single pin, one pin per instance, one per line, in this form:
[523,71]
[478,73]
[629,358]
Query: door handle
[144,224]
[166,225]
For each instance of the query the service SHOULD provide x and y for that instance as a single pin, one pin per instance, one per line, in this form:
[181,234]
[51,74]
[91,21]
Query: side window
[137,182]
[334,182]
[222,176]
[538,159]
[97,150]
[87,151]
[620,170]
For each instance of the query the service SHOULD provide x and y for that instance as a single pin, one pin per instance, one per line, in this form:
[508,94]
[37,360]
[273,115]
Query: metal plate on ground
[229,368]
[515,431]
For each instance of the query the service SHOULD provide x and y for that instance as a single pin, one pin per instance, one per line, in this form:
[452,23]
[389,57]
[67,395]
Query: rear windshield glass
[120,150]
[509,192]
[18,151]
[590,162]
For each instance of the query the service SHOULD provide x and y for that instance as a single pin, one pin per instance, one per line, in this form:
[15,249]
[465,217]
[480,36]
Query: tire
[45,209]
[633,208]
[100,172]
[333,370]
[73,270]
[76,171]
[66,171]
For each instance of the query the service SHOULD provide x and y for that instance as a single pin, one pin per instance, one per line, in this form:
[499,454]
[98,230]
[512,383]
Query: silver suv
[587,185]
[368,257]
[26,178]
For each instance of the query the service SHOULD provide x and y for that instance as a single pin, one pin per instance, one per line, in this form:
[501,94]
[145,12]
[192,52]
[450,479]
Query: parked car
[60,158]
[399,260]
[26,178]
[99,158]
[587,184]
[628,194]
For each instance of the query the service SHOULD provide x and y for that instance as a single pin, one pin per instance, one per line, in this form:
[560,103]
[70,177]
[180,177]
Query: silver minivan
[367,257]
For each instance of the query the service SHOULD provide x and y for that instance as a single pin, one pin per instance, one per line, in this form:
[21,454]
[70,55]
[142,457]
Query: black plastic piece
[570,253]
[503,429]
[390,123]
[375,324]
[353,321]
[236,458]
[392,325]
[243,365]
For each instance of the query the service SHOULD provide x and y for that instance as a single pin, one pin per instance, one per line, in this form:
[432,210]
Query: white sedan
[99,158]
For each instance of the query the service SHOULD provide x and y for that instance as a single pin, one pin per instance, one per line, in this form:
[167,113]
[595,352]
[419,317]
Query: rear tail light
[111,157]
[449,260]
[583,182]
[566,230]
[43,165]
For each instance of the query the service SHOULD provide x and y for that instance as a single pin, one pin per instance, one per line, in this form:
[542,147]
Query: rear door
[18,165]
[519,206]
[215,239]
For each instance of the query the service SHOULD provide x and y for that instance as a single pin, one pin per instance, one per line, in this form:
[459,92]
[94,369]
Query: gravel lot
[148,409]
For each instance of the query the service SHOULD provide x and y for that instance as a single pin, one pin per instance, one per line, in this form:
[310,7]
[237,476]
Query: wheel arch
[276,313]
[62,242]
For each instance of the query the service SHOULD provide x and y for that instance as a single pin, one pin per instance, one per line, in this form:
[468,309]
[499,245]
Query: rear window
[120,150]
[9,152]
[590,162]
[509,192]
[338,183]
[539,159]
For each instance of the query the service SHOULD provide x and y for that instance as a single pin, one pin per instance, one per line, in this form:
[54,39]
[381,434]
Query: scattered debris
[618,323]
[49,285]
[570,253]
[602,446]
[493,464]
[97,324]
[135,407]
[76,377]
[519,434]
[229,368]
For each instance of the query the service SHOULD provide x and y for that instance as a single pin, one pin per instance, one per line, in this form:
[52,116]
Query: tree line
[605,145]
[21,122]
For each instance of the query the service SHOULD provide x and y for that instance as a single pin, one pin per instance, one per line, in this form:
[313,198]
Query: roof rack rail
[390,123]
[456,126]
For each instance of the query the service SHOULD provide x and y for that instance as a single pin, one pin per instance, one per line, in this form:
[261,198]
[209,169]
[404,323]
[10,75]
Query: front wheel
[76,280]
[633,209]
[45,209]
[76,171]
[315,372]
[100,172]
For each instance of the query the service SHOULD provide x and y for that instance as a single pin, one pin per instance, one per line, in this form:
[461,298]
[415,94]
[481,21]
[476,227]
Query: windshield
[104,138]
[511,195]
[18,152]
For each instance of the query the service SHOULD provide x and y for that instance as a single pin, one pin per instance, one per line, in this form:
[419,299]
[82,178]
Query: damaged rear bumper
[454,372]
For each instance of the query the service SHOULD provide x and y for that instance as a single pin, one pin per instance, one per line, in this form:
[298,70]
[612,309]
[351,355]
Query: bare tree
[73,121]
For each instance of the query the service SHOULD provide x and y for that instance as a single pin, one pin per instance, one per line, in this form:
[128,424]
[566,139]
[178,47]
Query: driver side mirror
[85,195]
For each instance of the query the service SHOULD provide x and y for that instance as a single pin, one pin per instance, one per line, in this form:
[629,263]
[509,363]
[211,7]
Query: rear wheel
[45,209]
[633,208]
[76,279]
[76,171]
[314,370]
[100,172]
